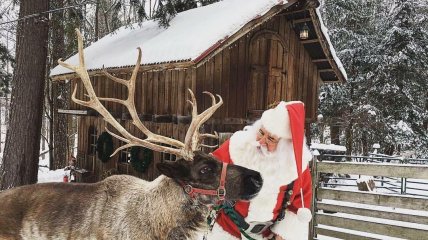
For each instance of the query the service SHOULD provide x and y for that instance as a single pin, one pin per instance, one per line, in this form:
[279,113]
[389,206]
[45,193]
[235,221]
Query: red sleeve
[222,153]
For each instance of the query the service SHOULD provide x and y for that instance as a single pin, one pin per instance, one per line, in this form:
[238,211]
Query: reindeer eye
[205,170]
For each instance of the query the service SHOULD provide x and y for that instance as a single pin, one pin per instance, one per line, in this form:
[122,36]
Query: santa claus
[274,146]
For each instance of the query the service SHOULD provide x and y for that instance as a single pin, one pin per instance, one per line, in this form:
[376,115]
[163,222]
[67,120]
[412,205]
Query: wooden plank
[305,78]
[217,84]
[155,90]
[399,201]
[371,227]
[181,92]
[271,79]
[341,235]
[320,60]
[123,95]
[138,101]
[373,213]
[190,83]
[166,109]
[291,73]
[310,41]
[143,91]
[228,84]
[208,84]
[161,93]
[242,80]
[370,169]
[315,90]
[149,92]
[301,71]
[199,86]
[310,96]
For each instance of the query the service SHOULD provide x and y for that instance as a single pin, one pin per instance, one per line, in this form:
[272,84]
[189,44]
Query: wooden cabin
[249,52]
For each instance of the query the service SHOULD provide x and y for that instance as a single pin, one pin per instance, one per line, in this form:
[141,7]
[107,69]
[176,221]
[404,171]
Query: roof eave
[127,69]
[325,46]
[228,40]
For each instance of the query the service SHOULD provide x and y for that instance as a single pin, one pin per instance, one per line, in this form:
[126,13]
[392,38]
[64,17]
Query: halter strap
[220,192]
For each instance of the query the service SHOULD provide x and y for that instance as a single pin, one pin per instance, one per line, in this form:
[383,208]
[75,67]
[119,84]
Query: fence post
[403,185]
[315,180]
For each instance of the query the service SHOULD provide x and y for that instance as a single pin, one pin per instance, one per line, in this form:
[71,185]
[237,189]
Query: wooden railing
[346,214]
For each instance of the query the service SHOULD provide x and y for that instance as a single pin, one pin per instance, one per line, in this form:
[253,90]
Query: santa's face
[268,142]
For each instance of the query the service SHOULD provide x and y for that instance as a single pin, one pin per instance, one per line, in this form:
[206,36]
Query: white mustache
[262,150]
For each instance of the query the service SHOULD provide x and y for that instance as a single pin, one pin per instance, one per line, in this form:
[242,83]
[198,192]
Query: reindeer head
[204,172]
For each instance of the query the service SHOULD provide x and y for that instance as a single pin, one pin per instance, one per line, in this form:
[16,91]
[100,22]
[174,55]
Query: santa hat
[287,121]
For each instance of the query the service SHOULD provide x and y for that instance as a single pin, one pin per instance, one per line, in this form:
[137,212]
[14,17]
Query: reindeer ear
[173,170]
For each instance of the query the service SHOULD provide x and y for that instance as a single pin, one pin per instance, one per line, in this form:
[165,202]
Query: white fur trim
[290,228]
[304,215]
[277,120]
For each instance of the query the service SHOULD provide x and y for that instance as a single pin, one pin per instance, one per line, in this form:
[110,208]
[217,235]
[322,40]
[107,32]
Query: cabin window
[167,156]
[125,154]
[92,140]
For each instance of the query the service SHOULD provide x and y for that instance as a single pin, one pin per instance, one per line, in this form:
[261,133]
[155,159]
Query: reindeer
[173,206]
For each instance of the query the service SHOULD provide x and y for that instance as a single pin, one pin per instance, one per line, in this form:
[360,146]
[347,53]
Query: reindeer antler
[192,139]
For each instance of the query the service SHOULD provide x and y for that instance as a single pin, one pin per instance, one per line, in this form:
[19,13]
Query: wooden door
[267,62]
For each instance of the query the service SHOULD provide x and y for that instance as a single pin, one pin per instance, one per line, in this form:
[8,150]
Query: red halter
[220,192]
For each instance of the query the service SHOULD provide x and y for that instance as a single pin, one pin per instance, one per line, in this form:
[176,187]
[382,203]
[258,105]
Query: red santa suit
[278,170]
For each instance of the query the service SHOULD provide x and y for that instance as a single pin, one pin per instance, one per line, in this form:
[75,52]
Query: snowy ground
[50,176]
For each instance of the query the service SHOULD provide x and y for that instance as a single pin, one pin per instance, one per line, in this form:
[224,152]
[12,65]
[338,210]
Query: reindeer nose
[255,180]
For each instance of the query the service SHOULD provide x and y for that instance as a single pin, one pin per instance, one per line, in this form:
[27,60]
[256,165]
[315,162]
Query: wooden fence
[346,214]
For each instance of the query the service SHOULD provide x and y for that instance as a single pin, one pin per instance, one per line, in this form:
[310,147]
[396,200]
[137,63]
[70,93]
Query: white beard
[277,169]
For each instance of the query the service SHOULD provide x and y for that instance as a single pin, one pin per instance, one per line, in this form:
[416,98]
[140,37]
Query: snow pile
[332,147]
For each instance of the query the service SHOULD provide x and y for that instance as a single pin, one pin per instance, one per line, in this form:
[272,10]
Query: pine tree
[167,9]
[400,76]
[383,48]
[351,30]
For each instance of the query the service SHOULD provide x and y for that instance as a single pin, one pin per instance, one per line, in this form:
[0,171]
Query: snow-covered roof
[189,37]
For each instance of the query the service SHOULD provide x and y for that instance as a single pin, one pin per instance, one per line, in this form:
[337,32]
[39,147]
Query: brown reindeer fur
[121,206]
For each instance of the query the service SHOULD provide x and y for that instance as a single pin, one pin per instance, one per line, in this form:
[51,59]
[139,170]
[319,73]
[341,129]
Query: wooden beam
[371,227]
[388,200]
[301,20]
[294,12]
[321,60]
[316,40]
[370,169]
[326,70]
[124,70]
[324,45]
[341,235]
[373,213]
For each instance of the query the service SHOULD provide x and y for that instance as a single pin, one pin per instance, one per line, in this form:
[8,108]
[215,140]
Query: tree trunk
[21,155]
[349,137]
[334,133]
[59,93]
[97,7]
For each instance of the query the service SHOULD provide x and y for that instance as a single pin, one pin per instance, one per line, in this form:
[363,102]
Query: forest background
[383,45]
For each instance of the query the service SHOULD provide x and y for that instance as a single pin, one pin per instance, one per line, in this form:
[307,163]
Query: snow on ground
[45,175]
